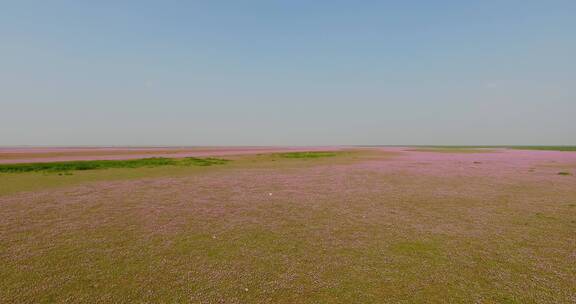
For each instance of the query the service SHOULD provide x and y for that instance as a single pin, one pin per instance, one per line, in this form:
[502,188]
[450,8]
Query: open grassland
[66,154]
[313,154]
[453,150]
[546,148]
[108,164]
[377,225]
[465,149]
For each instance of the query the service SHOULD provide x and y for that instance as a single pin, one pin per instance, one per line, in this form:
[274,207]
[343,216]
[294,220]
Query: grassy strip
[546,148]
[106,164]
[311,154]
[459,147]
[453,150]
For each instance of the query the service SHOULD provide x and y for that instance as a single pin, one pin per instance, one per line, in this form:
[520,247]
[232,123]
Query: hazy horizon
[258,73]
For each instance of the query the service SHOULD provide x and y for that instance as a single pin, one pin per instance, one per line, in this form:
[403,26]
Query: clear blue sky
[287,72]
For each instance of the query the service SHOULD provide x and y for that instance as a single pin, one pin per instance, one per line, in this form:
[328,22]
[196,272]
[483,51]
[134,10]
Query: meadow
[67,166]
[349,225]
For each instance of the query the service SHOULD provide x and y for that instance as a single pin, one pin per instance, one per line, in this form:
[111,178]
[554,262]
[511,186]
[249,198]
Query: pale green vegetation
[313,154]
[548,148]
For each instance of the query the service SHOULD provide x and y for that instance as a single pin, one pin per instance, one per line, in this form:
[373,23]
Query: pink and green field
[282,225]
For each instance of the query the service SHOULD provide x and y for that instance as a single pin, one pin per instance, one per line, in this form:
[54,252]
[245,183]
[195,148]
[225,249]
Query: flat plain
[283,225]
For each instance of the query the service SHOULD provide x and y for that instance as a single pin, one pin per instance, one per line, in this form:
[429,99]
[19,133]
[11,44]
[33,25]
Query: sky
[291,72]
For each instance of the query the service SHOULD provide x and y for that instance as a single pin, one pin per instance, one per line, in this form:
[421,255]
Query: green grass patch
[311,154]
[545,148]
[453,150]
[417,249]
[107,164]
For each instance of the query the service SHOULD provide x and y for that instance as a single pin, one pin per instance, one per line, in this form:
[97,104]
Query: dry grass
[368,227]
